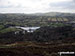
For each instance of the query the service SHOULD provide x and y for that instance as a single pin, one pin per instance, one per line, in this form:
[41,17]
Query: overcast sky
[36,6]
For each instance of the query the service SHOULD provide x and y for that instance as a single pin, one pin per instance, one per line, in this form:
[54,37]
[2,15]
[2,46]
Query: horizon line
[32,13]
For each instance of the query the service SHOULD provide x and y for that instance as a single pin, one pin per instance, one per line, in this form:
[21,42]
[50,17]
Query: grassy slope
[5,30]
[35,49]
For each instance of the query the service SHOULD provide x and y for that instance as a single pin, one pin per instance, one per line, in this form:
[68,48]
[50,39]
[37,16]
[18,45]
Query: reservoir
[28,29]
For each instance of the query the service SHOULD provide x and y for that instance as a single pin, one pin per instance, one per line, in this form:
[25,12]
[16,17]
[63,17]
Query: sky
[37,6]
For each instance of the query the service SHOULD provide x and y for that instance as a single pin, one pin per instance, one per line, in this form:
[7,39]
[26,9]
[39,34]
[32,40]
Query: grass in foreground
[35,49]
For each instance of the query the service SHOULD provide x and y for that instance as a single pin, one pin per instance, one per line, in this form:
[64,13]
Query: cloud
[34,6]
[64,4]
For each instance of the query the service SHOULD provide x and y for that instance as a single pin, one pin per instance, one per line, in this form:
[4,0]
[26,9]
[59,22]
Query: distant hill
[43,14]
[54,14]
